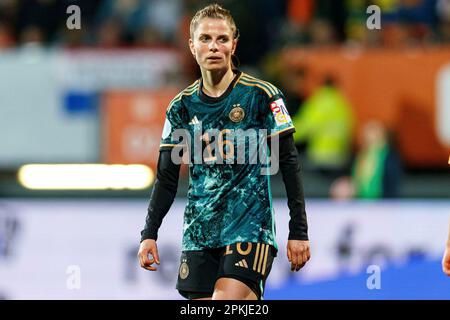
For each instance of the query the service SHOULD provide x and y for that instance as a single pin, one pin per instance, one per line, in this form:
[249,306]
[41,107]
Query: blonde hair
[213,11]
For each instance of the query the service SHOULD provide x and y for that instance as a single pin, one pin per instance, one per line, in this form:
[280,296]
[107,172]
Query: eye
[204,38]
[223,39]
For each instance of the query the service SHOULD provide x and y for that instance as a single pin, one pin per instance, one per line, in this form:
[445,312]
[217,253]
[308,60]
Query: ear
[233,49]
[191,46]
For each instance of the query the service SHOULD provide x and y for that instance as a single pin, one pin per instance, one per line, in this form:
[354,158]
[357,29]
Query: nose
[213,46]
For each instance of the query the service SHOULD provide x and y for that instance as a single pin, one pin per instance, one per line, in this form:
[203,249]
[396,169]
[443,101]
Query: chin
[214,67]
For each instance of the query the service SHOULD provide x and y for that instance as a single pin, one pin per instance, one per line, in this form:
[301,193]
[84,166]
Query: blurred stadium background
[88,105]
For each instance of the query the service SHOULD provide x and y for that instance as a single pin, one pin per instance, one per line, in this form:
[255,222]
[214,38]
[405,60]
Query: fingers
[144,260]
[294,261]
[289,255]
[299,266]
[147,263]
[298,256]
[301,260]
[305,256]
[155,254]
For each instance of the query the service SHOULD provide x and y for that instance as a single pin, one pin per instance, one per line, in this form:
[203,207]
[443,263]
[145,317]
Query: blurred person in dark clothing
[443,12]
[294,85]
[38,17]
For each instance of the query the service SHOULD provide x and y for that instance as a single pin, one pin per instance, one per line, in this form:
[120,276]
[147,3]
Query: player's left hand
[298,253]
[446,262]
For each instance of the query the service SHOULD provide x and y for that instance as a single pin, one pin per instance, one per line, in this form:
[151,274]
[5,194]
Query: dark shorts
[247,262]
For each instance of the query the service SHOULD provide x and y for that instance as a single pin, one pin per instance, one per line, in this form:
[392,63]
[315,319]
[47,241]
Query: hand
[298,253]
[148,247]
[446,262]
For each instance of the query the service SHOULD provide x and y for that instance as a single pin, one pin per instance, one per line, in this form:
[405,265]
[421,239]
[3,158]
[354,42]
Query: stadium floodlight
[85,176]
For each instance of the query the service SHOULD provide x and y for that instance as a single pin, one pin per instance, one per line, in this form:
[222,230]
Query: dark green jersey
[229,197]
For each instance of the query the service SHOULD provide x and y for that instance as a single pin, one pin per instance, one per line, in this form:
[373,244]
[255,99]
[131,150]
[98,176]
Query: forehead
[213,26]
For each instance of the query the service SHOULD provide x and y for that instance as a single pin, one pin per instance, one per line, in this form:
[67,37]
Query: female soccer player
[229,229]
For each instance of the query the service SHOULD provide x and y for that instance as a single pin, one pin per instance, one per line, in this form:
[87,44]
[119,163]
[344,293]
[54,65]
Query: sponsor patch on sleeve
[167,129]
[280,112]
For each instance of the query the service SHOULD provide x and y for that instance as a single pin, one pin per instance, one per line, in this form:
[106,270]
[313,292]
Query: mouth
[213,58]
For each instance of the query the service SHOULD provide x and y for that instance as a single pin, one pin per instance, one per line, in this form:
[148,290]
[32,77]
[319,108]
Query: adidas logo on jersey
[194,121]
[242,263]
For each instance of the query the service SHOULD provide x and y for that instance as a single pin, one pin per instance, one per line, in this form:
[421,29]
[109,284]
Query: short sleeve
[277,120]
[170,137]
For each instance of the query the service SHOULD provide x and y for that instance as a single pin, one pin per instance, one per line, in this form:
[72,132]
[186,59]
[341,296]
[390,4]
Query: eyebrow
[207,34]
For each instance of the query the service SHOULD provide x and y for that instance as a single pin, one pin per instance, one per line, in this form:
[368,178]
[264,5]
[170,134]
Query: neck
[215,83]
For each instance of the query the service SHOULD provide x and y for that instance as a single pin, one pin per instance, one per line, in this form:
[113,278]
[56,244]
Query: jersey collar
[208,99]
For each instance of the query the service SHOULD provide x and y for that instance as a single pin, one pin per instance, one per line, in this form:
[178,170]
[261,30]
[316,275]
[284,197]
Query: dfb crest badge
[237,113]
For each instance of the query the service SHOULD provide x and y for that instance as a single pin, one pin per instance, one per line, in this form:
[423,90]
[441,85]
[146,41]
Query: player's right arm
[164,190]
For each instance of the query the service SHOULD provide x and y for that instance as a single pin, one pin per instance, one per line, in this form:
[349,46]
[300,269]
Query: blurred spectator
[290,80]
[109,34]
[259,23]
[119,20]
[394,35]
[8,15]
[334,13]
[6,38]
[323,33]
[443,12]
[73,38]
[38,20]
[325,123]
[149,36]
[32,35]
[164,16]
[137,17]
[292,34]
[300,11]
[76,38]
[317,22]
[411,22]
[290,22]
[376,171]
[293,84]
